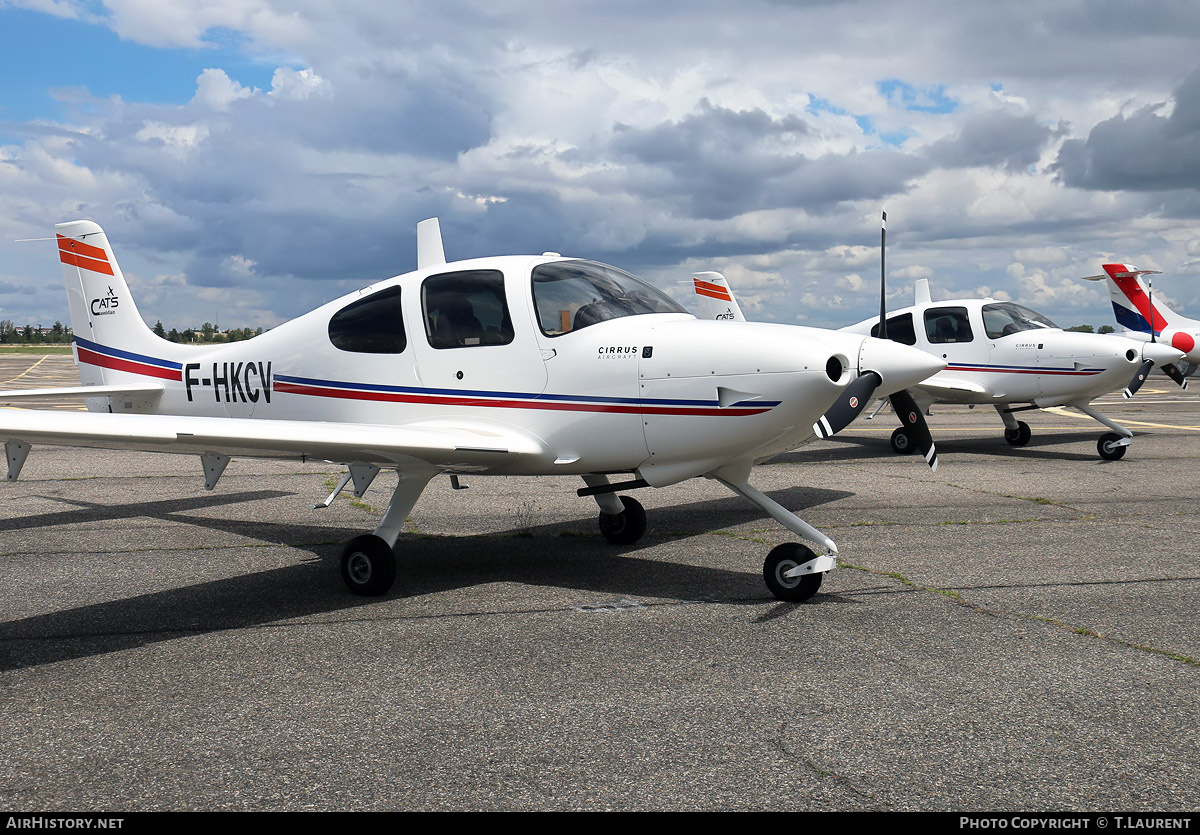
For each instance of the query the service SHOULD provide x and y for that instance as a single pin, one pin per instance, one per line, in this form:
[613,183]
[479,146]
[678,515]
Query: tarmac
[1015,631]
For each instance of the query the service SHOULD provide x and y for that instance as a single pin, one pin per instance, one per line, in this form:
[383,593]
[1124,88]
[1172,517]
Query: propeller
[1170,369]
[1140,377]
[856,396]
[853,400]
[915,425]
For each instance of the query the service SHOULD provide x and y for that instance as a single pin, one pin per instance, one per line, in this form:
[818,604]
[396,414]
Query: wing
[150,391]
[447,445]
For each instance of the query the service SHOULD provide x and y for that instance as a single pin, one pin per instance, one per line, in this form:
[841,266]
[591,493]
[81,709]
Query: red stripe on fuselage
[105,361]
[442,400]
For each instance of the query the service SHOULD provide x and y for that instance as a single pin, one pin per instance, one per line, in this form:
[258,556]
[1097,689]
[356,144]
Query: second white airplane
[999,354]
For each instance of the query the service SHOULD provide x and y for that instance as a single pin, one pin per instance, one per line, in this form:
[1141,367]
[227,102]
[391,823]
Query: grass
[1082,631]
[35,349]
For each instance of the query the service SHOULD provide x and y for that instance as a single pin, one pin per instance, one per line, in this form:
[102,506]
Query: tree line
[58,333]
[207,333]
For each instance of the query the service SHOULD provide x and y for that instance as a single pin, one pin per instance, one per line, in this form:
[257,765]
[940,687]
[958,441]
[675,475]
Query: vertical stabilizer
[921,292]
[429,244]
[716,297]
[1133,306]
[110,336]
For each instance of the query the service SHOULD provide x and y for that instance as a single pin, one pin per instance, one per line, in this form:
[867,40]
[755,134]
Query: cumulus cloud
[660,142]
[994,139]
[1156,148]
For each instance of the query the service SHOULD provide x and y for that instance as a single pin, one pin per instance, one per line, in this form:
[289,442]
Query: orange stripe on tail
[713,291]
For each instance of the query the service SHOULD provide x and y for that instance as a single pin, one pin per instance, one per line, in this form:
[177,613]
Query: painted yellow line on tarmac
[1062,412]
[23,373]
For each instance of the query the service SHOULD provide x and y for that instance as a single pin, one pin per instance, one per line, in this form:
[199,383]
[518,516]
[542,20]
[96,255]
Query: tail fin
[1131,303]
[110,336]
[716,297]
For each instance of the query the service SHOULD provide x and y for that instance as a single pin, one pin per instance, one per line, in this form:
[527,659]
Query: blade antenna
[882,276]
[1150,287]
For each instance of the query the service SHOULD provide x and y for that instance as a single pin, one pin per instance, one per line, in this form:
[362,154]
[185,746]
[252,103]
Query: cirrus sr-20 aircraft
[996,353]
[513,365]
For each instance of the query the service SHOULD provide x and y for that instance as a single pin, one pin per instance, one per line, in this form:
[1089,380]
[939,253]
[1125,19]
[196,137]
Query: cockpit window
[370,326]
[947,324]
[466,309]
[1005,318]
[570,295]
[899,329]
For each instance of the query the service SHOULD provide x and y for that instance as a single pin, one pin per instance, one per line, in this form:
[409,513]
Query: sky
[251,159]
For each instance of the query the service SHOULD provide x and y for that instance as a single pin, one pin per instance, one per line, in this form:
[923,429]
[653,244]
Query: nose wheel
[902,442]
[784,575]
[1110,447]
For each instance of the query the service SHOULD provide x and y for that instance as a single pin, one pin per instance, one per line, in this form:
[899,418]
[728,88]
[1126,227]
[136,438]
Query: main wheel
[368,565]
[1019,436]
[902,441]
[784,558]
[626,527]
[1108,447]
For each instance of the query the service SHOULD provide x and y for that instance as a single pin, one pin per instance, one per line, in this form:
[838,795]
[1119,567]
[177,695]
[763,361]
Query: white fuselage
[1044,366]
[663,394]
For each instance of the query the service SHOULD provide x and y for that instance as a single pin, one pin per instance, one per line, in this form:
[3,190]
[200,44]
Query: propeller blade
[853,400]
[1139,377]
[1172,371]
[914,423]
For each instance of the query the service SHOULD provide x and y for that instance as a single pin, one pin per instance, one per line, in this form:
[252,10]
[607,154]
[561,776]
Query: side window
[370,326]
[466,309]
[947,324]
[899,329]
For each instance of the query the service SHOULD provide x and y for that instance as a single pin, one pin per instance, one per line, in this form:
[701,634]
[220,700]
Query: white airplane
[1134,306]
[516,365]
[996,353]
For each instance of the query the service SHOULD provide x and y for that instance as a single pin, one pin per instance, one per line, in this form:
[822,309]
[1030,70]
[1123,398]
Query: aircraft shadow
[428,565]
[1039,447]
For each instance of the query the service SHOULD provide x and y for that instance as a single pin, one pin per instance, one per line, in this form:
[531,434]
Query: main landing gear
[1019,436]
[369,561]
[626,527]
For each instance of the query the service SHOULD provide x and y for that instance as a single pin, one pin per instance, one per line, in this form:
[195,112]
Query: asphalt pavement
[1016,631]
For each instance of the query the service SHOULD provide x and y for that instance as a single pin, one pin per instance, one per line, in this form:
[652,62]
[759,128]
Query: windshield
[570,295]
[1005,318]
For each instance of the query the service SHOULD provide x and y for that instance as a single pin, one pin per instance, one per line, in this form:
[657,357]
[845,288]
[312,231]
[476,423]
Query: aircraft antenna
[882,277]
[1150,288]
